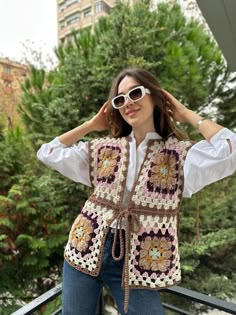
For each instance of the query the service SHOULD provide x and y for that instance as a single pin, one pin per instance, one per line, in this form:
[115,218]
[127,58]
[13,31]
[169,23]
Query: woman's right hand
[99,121]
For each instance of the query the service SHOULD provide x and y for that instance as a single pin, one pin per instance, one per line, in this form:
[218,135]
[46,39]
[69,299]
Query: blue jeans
[81,292]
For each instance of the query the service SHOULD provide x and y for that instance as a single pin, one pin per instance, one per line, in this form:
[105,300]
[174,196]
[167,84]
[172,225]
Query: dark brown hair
[164,125]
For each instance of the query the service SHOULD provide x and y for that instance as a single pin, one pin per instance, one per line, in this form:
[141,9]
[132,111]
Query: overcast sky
[29,22]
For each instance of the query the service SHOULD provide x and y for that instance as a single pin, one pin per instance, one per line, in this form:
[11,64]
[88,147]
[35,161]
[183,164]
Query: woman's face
[139,115]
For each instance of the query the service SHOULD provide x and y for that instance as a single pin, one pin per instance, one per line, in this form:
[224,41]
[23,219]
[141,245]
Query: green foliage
[11,157]
[227,105]
[33,229]
[214,256]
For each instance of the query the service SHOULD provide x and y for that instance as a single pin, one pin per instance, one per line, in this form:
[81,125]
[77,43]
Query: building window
[87,12]
[70,2]
[101,6]
[62,7]
[62,25]
[7,70]
[98,7]
[73,18]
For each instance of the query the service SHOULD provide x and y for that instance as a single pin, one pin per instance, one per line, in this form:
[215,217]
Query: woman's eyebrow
[132,87]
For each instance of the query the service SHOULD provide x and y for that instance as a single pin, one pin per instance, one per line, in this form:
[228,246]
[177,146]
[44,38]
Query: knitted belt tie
[132,224]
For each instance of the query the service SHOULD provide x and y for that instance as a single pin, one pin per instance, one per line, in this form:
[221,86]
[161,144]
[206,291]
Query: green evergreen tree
[33,223]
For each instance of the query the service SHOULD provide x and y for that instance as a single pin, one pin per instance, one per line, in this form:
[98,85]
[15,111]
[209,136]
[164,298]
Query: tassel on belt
[132,224]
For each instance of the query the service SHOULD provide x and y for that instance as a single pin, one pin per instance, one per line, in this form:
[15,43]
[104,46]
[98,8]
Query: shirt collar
[149,136]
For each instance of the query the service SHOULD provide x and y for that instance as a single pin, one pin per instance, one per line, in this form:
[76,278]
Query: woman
[126,234]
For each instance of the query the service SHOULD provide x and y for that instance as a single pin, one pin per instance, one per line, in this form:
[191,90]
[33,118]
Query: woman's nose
[127,101]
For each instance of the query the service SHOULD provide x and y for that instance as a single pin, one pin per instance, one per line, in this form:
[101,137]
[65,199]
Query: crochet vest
[151,218]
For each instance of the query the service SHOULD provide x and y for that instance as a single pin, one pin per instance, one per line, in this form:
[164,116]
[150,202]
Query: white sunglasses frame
[143,90]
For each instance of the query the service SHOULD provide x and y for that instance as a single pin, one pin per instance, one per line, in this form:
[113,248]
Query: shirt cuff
[47,148]
[224,135]
[56,143]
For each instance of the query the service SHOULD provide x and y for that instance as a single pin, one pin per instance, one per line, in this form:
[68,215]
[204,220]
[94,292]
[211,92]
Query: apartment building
[78,14]
[12,75]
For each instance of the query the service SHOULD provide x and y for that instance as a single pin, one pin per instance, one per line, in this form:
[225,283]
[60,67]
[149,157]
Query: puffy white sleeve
[71,162]
[209,161]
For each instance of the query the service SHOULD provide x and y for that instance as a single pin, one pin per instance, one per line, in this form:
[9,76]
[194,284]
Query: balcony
[192,296]
[7,76]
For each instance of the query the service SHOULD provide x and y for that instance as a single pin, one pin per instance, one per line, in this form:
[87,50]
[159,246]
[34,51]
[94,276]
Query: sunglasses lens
[119,101]
[136,94]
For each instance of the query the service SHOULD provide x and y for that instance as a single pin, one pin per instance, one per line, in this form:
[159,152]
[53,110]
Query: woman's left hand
[182,114]
[177,110]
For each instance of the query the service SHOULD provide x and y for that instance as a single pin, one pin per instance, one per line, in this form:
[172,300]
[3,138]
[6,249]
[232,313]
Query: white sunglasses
[133,95]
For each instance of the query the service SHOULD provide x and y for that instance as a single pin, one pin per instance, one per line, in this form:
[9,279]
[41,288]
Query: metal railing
[193,296]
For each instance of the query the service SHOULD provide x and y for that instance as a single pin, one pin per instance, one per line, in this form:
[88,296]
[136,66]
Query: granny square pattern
[154,259]
[160,182]
[83,249]
[107,168]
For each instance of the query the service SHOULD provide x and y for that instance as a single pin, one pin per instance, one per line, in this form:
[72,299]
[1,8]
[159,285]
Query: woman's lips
[132,112]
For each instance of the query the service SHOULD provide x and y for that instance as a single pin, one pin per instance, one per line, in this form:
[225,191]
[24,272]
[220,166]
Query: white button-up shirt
[206,161]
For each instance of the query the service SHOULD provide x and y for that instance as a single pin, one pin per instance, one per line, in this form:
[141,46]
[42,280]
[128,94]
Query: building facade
[78,14]
[12,75]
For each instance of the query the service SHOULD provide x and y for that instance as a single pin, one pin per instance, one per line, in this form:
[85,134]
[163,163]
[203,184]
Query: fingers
[169,97]
[174,103]
[165,92]
[104,107]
